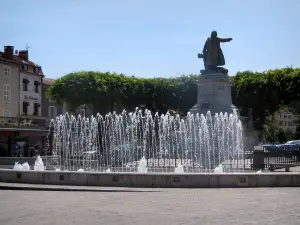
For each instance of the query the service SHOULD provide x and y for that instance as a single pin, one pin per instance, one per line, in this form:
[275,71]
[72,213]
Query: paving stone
[274,206]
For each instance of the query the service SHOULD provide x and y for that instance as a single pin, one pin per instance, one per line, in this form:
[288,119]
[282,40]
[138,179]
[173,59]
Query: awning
[37,105]
[25,103]
[25,81]
[6,133]
[21,129]
[33,133]
[37,82]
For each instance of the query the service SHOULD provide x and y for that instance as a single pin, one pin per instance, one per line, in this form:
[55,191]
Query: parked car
[290,145]
[293,142]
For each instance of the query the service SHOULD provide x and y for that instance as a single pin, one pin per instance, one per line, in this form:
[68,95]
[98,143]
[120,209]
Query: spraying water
[219,169]
[39,165]
[142,141]
[179,168]
[142,167]
[24,166]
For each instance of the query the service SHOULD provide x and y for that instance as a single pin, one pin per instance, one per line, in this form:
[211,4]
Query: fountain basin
[152,180]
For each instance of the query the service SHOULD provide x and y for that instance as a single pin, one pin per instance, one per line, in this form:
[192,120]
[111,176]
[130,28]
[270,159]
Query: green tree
[270,130]
[264,92]
[107,92]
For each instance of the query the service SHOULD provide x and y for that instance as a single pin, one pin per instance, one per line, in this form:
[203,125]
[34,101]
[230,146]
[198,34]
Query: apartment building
[286,120]
[20,103]
[21,80]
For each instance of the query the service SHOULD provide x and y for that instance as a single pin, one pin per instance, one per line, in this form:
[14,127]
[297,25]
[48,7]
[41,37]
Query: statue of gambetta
[212,55]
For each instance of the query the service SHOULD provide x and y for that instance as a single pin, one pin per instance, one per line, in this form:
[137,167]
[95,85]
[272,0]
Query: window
[6,71]
[25,67]
[52,111]
[36,86]
[36,107]
[285,116]
[6,113]
[6,93]
[36,69]
[285,123]
[280,123]
[25,108]
[25,87]
[25,84]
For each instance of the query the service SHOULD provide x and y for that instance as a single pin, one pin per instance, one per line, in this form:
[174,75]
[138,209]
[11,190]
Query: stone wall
[153,180]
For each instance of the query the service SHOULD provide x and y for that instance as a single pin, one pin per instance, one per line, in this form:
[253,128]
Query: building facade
[21,123]
[30,92]
[21,81]
[9,81]
[286,120]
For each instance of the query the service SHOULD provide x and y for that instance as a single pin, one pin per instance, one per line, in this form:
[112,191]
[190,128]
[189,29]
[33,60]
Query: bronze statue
[212,54]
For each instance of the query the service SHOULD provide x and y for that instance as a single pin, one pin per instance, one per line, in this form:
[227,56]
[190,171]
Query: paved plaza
[149,206]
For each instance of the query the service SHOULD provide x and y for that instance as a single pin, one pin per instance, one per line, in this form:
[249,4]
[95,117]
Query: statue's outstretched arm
[225,39]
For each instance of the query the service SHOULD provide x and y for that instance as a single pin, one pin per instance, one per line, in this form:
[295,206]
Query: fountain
[128,149]
[142,142]
[24,166]
[39,165]
[219,169]
[142,167]
[179,168]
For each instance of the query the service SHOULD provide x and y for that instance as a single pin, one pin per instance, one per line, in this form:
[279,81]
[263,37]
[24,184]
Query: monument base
[213,94]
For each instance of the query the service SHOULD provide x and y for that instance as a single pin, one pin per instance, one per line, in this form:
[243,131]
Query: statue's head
[214,34]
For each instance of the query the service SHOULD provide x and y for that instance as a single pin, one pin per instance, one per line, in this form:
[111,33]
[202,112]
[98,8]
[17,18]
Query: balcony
[25,122]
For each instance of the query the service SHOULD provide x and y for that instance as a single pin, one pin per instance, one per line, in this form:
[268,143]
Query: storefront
[21,142]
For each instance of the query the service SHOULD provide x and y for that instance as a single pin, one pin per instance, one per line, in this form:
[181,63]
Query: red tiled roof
[18,60]
[2,58]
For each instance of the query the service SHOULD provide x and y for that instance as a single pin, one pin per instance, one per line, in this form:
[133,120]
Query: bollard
[258,159]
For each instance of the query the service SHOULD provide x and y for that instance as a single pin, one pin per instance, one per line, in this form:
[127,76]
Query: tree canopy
[114,92]
[263,92]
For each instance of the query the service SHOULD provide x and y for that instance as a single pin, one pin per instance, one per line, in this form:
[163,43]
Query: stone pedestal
[213,94]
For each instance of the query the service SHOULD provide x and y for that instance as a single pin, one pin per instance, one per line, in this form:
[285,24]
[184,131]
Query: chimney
[23,54]
[9,52]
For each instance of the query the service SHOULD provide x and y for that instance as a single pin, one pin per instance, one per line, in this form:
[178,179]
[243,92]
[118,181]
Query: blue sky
[150,38]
